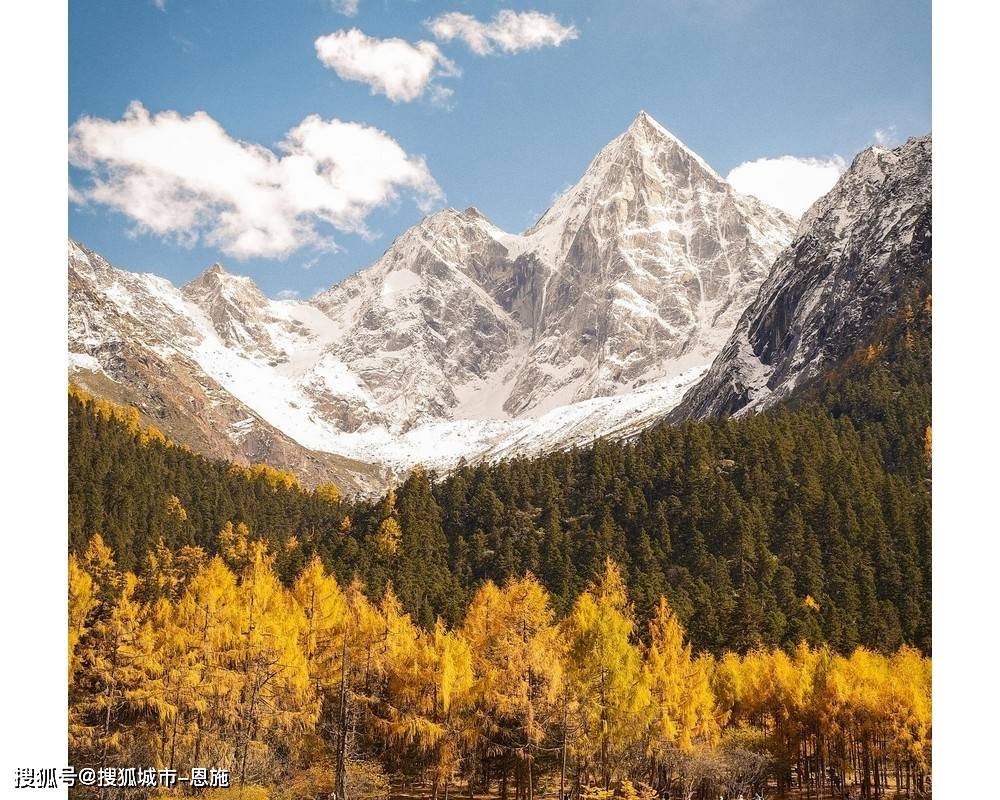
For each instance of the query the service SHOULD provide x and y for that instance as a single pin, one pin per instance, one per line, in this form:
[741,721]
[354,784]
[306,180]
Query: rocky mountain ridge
[462,340]
[856,251]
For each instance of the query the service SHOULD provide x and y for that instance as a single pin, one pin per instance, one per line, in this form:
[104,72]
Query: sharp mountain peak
[644,123]
[217,275]
[645,130]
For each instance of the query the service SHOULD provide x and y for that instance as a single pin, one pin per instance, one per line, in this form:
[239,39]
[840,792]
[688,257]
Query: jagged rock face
[636,273]
[856,252]
[238,311]
[462,340]
[644,267]
[423,320]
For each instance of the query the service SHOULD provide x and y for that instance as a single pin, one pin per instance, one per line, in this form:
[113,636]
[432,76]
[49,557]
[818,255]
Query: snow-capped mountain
[462,340]
[856,251]
[422,323]
[137,339]
[638,272]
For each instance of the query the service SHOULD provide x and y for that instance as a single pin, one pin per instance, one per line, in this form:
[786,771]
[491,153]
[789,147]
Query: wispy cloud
[394,67]
[509,31]
[185,44]
[886,137]
[560,192]
[76,196]
[288,294]
[160,4]
[187,178]
[789,183]
[348,8]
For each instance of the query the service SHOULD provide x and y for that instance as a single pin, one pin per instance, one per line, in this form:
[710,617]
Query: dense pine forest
[711,608]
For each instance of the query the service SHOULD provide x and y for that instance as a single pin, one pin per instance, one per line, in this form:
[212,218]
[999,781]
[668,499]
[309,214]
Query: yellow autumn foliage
[129,416]
[213,661]
[272,476]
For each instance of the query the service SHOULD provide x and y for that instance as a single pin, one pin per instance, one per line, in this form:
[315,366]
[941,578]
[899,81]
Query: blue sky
[737,81]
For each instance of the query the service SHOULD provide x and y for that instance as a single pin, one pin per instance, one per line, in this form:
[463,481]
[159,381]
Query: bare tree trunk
[562,766]
[107,717]
[173,736]
[341,777]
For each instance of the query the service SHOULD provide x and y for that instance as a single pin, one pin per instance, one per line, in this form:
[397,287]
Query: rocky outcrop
[856,252]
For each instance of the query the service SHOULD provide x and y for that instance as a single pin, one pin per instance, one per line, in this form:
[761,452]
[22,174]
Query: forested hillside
[808,523]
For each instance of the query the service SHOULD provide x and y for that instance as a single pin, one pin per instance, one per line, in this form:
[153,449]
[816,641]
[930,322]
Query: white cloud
[789,183]
[76,196]
[560,192]
[348,8]
[886,137]
[393,67]
[160,4]
[187,178]
[185,44]
[509,31]
[440,96]
[288,294]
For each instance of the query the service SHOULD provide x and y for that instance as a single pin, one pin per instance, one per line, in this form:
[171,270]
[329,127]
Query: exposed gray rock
[636,273]
[856,251]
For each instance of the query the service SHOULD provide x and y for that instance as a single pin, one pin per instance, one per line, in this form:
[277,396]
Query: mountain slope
[857,251]
[462,340]
[640,270]
[136,339]
[422,321]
